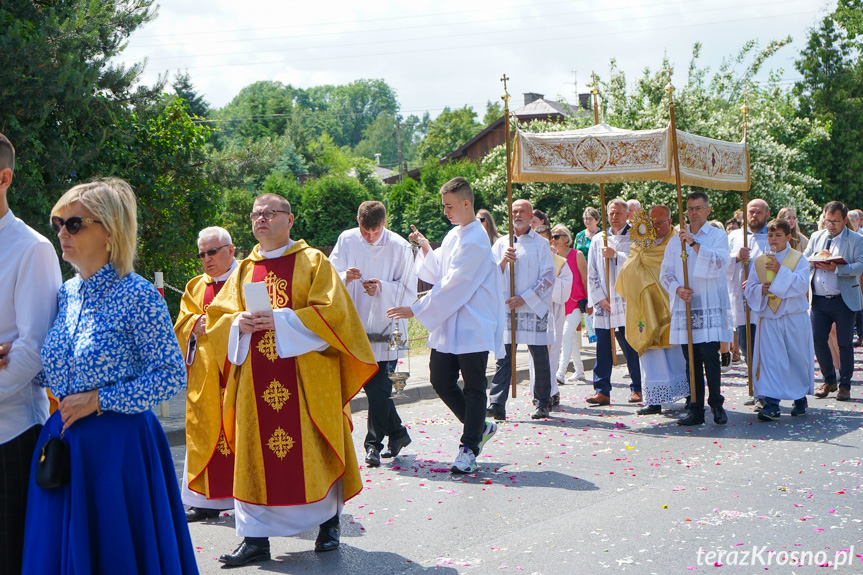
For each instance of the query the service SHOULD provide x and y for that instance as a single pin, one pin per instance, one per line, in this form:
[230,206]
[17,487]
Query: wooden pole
[505,97]
[603,215]
[675,158]
[745,110]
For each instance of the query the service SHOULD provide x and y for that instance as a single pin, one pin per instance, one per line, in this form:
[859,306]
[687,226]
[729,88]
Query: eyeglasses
[834,222]
[660,222]
[482,219]
[697,208]
[556,236]
[212,252]
[266,214]
[73,225]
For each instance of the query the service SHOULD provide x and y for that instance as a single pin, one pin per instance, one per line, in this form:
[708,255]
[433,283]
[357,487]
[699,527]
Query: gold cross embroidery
[267,346]
[276,395]
[280,443]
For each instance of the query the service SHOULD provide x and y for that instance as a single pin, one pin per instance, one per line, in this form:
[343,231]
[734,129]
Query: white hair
[618,202]
[633,204]
[215,231]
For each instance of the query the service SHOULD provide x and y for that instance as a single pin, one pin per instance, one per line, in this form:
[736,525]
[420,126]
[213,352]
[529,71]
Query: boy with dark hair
[464,315]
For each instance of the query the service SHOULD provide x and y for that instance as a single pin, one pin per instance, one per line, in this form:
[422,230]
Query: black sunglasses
[556,236]
[482,219]
[73,225]
[212,252]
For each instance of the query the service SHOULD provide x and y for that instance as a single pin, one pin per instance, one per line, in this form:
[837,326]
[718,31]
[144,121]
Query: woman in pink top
[561,240]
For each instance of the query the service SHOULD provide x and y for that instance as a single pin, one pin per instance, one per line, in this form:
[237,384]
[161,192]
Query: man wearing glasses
[297,354]
[209,467]
[707,258]
[28,288]
[836,296]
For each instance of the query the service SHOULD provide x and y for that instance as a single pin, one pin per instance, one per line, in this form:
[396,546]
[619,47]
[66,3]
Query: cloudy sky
[452,53]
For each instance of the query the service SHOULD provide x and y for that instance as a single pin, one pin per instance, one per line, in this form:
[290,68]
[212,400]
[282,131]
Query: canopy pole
[603,214]
[744,109]
[683,255]
[505,97]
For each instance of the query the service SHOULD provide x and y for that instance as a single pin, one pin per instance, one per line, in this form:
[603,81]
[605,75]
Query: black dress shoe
[719,415]
[194,514]
[650,410]
[395,446]
[246,553]
[328,535]
[496,411]
[373,458]
[694,417]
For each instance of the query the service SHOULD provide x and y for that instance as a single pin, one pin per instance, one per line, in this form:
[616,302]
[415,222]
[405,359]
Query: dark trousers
[858,323]
[16,456]
[825,312]
[706,357]
[383,419]
[501,382]
[467,405]
[602,369]
[741,338]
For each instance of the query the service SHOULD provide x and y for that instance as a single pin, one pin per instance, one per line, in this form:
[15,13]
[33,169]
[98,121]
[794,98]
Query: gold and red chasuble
[210,462]
[277,394]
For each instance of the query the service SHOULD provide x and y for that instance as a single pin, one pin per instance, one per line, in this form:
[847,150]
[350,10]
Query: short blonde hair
[113,203]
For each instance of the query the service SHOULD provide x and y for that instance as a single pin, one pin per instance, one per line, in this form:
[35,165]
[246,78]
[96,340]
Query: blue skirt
[121,510]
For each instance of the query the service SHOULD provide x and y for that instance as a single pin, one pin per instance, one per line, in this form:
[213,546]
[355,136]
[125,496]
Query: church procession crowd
[272,348]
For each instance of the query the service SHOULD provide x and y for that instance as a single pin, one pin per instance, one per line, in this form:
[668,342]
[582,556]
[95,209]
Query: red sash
[220,469]
[277,394]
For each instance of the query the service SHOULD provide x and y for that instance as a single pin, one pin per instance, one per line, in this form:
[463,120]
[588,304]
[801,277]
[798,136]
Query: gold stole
[210,463]
[790,262]
[310,432]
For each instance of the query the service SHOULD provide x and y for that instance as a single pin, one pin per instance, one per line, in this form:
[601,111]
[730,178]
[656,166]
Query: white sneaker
[488,433]
[577,378]
[465,462]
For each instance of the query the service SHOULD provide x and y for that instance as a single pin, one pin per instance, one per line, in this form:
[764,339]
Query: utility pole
[399,144]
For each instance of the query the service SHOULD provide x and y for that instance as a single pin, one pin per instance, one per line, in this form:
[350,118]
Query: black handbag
[53,469]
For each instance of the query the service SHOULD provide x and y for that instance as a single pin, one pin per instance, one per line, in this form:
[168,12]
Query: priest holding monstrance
[299,353]
[648,315]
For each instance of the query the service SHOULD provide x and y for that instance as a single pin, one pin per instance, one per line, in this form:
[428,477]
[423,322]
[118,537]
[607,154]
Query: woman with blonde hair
[798,240]
[561,240]
[110,356]
[484,217]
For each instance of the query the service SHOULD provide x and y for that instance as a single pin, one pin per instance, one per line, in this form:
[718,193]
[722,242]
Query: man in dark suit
[836,297]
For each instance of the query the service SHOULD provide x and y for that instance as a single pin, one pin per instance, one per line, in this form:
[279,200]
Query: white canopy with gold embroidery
[604,154]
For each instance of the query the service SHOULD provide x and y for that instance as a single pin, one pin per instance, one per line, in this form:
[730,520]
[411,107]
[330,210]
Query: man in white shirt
[609,307]
[464,315]
[707,261]
[836,297]
[28,288]
[534,281]
[376,265]
[209,464]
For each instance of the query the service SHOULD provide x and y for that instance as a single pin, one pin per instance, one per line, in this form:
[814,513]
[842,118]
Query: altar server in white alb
[464,315]
[707,261]
[783,351]
[377,267]
[559,296]
[609,307]
[534,281]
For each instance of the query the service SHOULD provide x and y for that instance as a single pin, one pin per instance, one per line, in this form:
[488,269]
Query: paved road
[595,490]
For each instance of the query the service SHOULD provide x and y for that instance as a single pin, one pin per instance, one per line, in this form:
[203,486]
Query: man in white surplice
[757,215]
[782,357]
[377,267]
[534,280]
[610,313]
[707,262]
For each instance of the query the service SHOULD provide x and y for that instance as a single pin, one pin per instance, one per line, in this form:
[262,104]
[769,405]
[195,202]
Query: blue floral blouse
[114,335]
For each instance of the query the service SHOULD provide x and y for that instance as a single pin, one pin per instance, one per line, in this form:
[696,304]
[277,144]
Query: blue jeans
[602,369]
[825,312]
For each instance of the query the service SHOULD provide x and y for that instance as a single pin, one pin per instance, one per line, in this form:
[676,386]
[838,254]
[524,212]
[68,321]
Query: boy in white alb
[783,352]
[464,315]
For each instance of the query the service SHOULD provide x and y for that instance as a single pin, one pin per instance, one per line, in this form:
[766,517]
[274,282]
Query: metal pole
[603,214]
[505,98]
[670,89]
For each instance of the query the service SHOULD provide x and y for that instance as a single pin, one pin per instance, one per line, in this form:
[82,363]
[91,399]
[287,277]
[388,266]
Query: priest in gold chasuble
[209,466]
[648,318]
[294,370]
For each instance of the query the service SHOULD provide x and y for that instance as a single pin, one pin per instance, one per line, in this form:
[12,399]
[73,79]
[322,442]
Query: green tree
[493,111]
[260,110]
[183,87]
[447,132]
[329,206]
